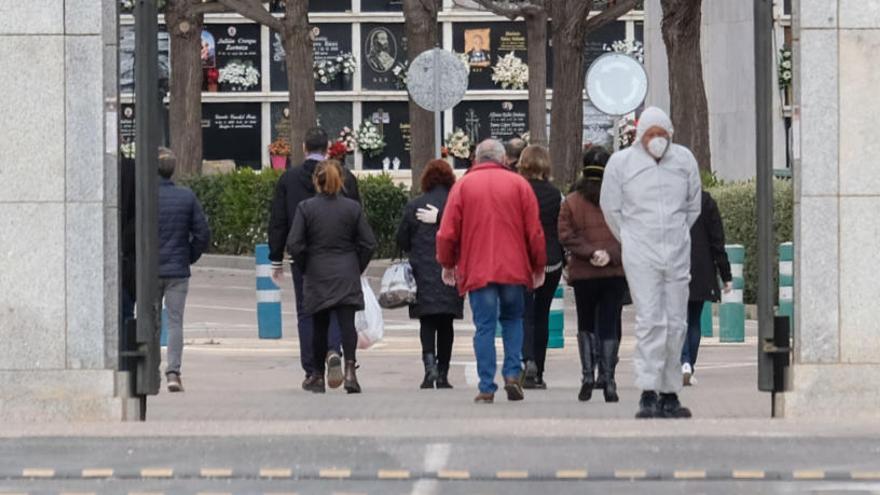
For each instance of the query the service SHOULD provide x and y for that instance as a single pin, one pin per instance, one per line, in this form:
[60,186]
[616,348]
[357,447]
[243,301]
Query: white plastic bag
[398,286]
[368,322]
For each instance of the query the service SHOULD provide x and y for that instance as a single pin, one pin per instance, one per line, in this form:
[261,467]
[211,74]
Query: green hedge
[738,206]
[237,206]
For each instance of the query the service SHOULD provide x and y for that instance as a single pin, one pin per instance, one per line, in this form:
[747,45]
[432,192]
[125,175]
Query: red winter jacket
[491,231]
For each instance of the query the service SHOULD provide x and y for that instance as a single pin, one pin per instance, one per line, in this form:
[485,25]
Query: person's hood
[653,117]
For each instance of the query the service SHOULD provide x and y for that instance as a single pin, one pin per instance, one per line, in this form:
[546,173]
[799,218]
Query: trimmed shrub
[237,206]
[738,205]
[383,204]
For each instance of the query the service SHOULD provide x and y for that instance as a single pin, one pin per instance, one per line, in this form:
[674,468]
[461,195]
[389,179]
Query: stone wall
[837,349]
[58,217]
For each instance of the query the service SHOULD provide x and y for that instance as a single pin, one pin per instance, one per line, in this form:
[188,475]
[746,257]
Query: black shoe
[540,384]
[648,405]
[585,350]
[314,383]
[351,381]
[431,373]
[609,350]
[530,375]
[443,376]
[670,407]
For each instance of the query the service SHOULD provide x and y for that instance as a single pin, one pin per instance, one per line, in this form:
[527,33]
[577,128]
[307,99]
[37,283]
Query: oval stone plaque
[437,80]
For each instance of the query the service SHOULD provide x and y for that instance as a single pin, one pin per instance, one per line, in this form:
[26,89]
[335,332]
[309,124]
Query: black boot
[598,365]
[670,407]
[430,371]
[648,405]
[530,375]
[351,381]
[443,376]
[610,348]
[585,351]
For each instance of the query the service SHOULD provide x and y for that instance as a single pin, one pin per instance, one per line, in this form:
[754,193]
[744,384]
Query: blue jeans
[491,304]
[306,327]
[692,341]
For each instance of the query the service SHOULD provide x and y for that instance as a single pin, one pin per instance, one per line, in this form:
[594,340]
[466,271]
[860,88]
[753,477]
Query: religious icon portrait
[381,50]
[477,46]
[209,50]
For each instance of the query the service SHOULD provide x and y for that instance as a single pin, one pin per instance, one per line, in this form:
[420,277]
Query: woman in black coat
[437,304]
[332,241]
[708,260]
[534,165]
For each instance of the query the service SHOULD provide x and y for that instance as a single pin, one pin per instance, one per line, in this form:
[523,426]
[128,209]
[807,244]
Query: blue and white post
[268,296]
[732,313]
[786,280]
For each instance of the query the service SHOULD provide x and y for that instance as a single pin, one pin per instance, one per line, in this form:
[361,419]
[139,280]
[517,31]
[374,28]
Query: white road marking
[436,457]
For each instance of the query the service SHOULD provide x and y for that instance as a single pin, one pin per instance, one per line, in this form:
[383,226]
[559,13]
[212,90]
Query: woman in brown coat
[595,270]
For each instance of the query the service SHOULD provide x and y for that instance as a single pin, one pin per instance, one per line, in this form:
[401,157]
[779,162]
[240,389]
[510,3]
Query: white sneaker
[687,373]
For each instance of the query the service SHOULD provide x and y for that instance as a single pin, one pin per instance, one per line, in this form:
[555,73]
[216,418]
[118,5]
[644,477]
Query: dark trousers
[692,341]
[345,317]
[536,320]
[437,336]
[305,326]
[599,302]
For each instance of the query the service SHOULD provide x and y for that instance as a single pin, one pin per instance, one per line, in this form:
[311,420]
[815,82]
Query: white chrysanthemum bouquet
[510,72]
[369,140]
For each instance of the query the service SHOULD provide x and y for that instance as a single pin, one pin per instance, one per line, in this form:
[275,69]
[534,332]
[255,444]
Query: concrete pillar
[58,266]
[836,365]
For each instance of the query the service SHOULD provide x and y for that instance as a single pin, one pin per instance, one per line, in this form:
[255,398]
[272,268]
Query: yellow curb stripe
[689,475]
[97,473]
[276,473]
[157,473]
[37,473]
[216,473]
[808,475]
[749,475]
[572,474]
[390,474]
[335,473]
[629,473]
[512,475]
[453,475]
[865,475]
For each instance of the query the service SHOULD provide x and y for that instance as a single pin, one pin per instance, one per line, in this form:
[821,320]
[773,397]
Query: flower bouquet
[325,71]
[346,136]
[347,64]
[241,76]
[401,74]
[458,144]
[212,77]
[634,49]
[785,68]
[369,140]
[337,151]
[510,72]
[279,151]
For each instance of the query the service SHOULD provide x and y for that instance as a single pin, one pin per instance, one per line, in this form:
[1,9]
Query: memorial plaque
[484,44]
[381,5]
[330,41]
[232,131]
[128,126]
[237,52]
[602,37]
[392,120]
[126,57]
[437,80]
[598,127]
[492,119]
[383,56]
[332,116]
[640,31]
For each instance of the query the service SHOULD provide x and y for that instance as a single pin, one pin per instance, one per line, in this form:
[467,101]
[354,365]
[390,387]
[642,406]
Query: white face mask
[657,147]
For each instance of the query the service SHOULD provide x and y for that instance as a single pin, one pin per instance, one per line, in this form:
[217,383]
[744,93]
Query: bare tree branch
[610,14]
[208,8]
[504,9]
[253,10]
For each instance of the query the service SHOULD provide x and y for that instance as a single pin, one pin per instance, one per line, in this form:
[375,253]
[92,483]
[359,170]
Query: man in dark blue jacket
[295,186]
[183,237]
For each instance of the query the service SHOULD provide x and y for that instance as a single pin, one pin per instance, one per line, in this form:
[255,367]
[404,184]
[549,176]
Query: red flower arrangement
[337,151]
[213,75]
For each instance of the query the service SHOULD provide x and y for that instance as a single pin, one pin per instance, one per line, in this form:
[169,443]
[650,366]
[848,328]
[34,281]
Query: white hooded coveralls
[650,207]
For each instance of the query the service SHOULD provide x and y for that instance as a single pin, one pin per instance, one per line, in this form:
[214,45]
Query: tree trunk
[421,35]
[689,108]
[300,79]
[185,114]
[567,114]
[536,28]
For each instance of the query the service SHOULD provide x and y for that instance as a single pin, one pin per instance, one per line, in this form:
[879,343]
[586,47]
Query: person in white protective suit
[651,198]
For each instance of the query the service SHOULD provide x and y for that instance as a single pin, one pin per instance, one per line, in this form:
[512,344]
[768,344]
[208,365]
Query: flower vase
[279,162]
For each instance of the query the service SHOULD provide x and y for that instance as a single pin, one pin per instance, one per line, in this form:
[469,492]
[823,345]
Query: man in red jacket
[491,245]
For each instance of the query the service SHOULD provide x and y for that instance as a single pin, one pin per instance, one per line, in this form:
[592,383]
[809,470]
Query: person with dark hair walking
[534,165]
[708,260]
[183,236]
[595,271]
[437,304]
[332,243]
[295,186]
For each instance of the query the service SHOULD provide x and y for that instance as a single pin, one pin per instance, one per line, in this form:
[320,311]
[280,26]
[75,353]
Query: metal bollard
[786,281]
[706,322]
[732,312]
[268,296]
[557,320]
[163,335]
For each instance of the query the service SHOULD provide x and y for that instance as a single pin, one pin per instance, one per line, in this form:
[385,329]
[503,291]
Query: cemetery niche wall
[246,110]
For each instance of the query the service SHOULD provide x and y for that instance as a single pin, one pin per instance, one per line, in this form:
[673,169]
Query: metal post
[764,163]
[438,132]
[146,194]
